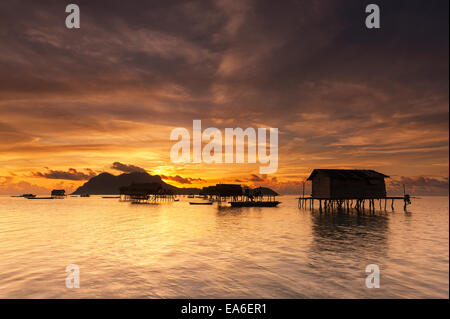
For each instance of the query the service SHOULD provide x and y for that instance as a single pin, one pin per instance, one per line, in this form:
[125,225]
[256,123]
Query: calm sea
[178,250]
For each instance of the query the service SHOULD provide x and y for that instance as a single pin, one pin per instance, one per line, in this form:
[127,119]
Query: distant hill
[108,184]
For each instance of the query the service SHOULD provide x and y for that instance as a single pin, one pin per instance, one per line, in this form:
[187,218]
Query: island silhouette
[109,184]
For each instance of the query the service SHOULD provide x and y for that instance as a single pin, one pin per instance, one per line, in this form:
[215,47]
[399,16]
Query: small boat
[25,195]
[255,204]
[110,196]
[200,203]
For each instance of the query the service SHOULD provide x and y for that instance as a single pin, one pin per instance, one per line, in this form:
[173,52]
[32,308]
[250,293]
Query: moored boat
[25,195]
[200,203]
[255,204]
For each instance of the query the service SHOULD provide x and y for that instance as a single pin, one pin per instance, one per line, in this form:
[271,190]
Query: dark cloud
[256,178]
[419,185]
[71,174]
[339,93]
[9,135]
[421,181]
[182,180]
[127,168]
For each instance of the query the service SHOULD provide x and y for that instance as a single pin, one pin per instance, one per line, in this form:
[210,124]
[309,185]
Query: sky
[105,97]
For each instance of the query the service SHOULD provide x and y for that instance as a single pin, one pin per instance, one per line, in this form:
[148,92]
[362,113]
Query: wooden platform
[356,203]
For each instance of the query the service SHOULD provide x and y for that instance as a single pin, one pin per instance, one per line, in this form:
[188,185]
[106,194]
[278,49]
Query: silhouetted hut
[258,197]
[228,190]
[141,189]
[208,191]
[58,193]
[347,184]
[264,192]
[143,192]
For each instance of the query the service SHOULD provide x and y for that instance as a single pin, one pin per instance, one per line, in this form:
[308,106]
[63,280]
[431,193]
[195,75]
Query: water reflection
[224,210]
[349,232]
[178,250]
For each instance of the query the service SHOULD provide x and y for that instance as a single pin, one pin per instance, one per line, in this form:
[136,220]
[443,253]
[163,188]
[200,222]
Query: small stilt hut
[58,193]
[145,193]
[345,188]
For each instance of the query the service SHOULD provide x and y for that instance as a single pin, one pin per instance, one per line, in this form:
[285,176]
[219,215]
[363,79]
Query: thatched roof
[228,190]
[264,191]
[355,174]
[209,190]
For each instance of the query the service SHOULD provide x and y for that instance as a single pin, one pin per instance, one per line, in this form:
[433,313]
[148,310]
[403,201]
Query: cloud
[422,181]
[182,180]
[71,174]
[9,135]
[419,185]
[341,95]
[9,186]
[22,187]
[127,168]
[256,178]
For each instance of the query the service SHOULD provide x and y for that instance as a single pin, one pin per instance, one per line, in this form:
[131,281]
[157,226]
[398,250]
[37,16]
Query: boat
[25,195]
[85,195]
[255,204]
[191,196]
[40,197]
[110,196]
[200,203]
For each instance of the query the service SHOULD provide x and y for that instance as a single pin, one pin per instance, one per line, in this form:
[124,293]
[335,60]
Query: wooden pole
[303,189]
